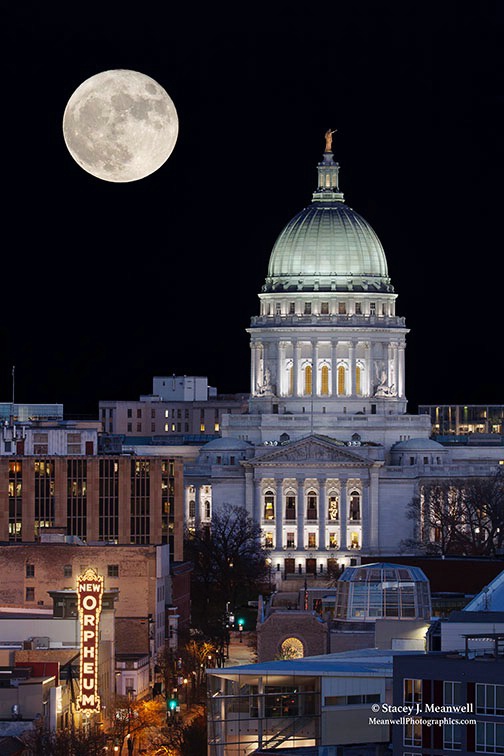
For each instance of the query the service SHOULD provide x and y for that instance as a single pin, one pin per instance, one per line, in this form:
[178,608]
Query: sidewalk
[240,653]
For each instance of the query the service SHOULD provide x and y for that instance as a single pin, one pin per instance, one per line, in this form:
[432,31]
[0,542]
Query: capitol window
[341,380]
[308,380]
[354,511]
[290,507]
[324,380]
[292,308]
[311,508]
[324,308]
[307,308]
[333,508]
[269,505]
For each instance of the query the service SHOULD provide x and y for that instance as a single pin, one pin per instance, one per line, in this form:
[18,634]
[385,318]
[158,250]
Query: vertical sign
[89,603]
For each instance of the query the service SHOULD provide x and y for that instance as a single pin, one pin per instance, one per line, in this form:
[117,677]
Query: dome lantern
[328,245]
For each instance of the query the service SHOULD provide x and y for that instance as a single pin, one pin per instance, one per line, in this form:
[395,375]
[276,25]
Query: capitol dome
[328,245]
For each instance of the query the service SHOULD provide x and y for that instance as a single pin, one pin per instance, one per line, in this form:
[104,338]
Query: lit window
[358,380]
[341,380]
[324,375]
[308,380]
[202,427]
[333,508]
[269,506]
[412,691]
[268,540]
[292,648]
[312,541]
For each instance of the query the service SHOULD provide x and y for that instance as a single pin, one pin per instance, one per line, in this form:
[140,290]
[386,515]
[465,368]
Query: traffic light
[241,622]
[172,704]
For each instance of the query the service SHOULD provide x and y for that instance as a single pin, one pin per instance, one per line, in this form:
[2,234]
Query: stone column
[368,386]
[295,366]
[334,371]
[374,508]
[257,517]
[279,515]
[300,499]
[253,369]
[343,516]
[322,514]
[400,372]
[249,494]
[280,387]
[351,361]
[197,510]
[315,375]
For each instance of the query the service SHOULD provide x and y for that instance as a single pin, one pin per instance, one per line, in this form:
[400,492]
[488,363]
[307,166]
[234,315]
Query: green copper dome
[328,246]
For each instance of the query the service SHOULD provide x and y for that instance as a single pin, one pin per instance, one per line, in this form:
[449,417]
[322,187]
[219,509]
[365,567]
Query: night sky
[106,285]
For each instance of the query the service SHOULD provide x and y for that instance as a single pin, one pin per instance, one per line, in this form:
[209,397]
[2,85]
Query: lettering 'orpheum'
[89,603]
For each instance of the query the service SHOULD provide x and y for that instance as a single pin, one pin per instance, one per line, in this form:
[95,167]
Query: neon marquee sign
[89,604]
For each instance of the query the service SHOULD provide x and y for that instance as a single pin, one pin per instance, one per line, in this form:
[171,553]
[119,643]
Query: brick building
[120,499]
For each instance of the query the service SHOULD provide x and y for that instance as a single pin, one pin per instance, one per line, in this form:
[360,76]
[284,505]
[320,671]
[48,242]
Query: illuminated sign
[89,603]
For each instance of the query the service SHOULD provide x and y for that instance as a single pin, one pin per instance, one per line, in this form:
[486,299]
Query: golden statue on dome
[328,139]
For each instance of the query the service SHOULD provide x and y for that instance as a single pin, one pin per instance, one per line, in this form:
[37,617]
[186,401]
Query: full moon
[120,125]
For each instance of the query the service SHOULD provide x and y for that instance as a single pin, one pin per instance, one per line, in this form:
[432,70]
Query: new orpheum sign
[89,604]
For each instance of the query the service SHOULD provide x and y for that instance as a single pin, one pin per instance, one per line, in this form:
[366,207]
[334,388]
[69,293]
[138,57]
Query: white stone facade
[327,458]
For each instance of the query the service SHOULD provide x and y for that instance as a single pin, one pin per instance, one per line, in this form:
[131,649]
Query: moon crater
[120,125]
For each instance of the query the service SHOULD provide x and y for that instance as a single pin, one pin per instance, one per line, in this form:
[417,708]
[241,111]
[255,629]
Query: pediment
[313,450]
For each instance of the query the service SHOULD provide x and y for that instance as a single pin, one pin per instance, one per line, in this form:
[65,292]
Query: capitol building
[326,458]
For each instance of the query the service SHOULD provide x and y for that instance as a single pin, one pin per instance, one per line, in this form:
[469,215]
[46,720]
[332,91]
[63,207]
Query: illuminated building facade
[97,499]
[327,458]
[180,407]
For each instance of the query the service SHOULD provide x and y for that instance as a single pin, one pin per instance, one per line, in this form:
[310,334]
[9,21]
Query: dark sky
[106,285]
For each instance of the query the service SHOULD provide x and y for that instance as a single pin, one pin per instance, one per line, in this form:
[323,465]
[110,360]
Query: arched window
[208,512]
[354,511]
[292,648]
[269,505]
[311,506]
[341,381]
[333,508]
[308,380]
[290,507]
[324,381]
[358,380]
[192,509]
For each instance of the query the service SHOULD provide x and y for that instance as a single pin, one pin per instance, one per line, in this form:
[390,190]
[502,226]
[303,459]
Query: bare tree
[459,516]
[229,564]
